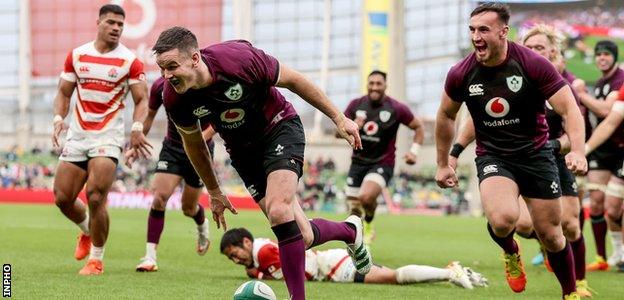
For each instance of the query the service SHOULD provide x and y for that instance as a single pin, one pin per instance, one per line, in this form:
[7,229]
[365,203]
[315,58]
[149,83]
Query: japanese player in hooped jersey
[261,259]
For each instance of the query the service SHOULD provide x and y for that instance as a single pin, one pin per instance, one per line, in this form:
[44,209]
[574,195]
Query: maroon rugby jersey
[242,102]
[379,132]
[507,102]
[604,86]
[156,100]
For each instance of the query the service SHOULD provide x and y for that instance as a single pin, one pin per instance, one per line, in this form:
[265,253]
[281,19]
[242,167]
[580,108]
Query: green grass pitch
[38,242]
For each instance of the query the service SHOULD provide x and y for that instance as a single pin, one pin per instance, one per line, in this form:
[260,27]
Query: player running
[232,86]
[610,129]
[261,260]
[103,71]
[603,162]
[504,86]
[378,116]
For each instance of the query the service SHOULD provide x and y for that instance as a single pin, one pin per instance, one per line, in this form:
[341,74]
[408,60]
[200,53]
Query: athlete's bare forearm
[199,155]
[139,96]
[63,97]
[308,91]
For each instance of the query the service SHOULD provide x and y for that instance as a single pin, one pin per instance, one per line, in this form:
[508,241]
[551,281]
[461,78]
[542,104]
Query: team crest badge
[514,83]
[384,116]
[235,92]
[606,89]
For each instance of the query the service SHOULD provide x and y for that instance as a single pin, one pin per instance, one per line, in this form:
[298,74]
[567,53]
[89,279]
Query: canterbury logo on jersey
[201,111]
[476,89]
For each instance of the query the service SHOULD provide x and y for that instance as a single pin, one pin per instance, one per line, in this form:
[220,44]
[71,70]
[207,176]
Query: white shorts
[76,151]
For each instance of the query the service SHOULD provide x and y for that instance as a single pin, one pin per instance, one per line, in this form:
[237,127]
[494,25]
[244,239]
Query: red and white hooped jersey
[319,265]
[102,83]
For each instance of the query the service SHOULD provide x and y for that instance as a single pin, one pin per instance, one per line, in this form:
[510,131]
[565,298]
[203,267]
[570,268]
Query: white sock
[616,240]
[150,250]
[96,253]
[416,273]
[203,228]
[84,225]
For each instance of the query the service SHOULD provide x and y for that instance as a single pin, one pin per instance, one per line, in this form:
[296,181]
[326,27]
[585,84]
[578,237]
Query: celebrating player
[604,160]
[261,260]
[232,86]
[378,116]
[504,86]
[103,71]
[173,167]
[612,129]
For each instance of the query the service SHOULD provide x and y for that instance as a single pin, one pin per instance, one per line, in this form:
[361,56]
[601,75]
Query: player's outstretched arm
[598,107]
[199,155]
[149,120]
[61,108]
[309,92]
[138,142]
[606,128]
[444,132]
[564,104]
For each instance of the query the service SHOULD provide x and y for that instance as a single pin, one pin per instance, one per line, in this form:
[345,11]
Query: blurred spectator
[321,187]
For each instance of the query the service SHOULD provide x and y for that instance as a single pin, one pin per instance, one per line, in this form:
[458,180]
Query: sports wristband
[456,150]
[57,118]
[137,126]
[415,148]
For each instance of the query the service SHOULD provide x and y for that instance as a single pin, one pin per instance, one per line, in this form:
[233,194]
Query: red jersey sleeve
[69,73]
[269,262]
[136,73]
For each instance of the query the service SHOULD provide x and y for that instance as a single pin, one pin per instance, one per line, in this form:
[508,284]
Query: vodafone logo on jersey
[370,128]
[232,115]
[233,118]
[497,107]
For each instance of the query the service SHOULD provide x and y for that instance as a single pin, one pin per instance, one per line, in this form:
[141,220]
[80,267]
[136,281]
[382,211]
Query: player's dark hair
[234,237]
[500,9]
[607,46]
[112,8]
[176,38]
[377,72]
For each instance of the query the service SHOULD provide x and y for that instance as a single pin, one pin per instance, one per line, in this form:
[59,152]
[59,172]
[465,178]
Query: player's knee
[61,199]
[502,223]
[596,208]
[552,240]
[571,229]
[596,197]
[159,205]
[189,210]
[96,197]
[278,212]
[524,228]
[614,213]
[368,199]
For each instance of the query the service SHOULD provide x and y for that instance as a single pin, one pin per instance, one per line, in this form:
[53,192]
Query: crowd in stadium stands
[321,187]
[596,17]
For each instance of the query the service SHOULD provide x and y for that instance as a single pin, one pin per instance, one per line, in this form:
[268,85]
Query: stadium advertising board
[57,26]
[376,38]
